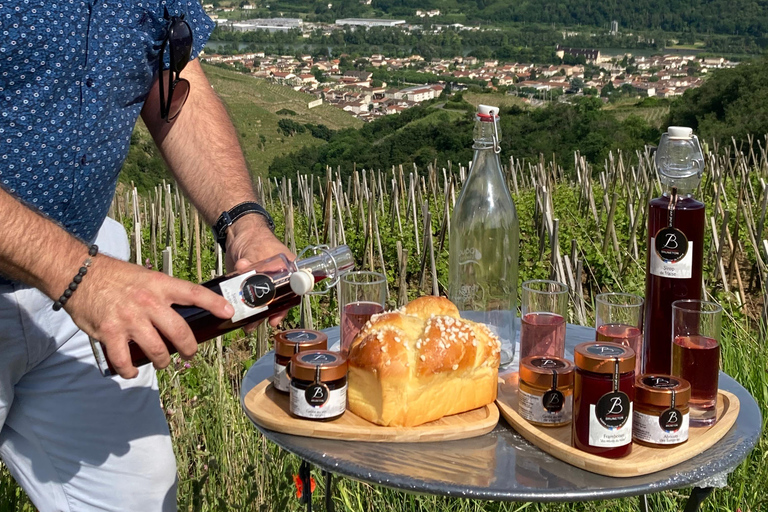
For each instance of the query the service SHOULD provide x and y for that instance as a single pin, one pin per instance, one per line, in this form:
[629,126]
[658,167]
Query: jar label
[671,254]
[281,380]
[610,421]
[249,294]
[651,428]
[300,336]
[333,404]
[536,408]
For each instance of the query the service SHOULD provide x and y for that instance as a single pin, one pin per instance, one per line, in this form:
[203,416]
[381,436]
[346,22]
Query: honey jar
[318,385]
[545,393]
[603,394]
[292,342]
[661,410]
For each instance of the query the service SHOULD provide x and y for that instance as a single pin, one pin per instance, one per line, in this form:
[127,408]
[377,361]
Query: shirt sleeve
[200,23]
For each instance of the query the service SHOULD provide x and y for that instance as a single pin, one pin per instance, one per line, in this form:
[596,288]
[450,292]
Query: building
[268,24]
[369,22]
[592,56]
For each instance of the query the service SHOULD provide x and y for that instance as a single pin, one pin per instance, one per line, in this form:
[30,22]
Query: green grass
[252,104]
[656,115]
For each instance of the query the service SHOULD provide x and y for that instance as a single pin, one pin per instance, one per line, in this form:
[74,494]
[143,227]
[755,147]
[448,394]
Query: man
[73,78]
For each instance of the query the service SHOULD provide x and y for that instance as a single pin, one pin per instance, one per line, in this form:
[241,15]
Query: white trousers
[74,440]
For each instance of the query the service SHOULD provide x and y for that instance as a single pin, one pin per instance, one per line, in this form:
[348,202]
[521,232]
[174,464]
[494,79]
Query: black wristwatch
[228,218]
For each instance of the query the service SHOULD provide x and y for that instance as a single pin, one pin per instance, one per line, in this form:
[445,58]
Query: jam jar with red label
[318,385]
[292,342]
[545,394]
[661,410]
[603,396]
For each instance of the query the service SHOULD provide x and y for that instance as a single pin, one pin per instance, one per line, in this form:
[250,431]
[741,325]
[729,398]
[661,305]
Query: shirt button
[89,82]
[83,160]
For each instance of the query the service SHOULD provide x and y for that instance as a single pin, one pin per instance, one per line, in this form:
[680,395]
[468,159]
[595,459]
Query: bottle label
[547,409]
[249,294]
[669,428]
[671,254]
[321,403]
[281,380]
[610,421]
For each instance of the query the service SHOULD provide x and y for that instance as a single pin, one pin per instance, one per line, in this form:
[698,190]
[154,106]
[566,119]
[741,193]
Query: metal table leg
[328,492]
[698,495]
[644,503]
[306,484]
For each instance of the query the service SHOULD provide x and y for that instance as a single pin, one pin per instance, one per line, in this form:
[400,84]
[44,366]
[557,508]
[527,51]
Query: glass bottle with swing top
[485,240]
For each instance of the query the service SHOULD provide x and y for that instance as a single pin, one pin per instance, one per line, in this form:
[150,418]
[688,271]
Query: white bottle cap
[488,110]
[302,282]
[679,132]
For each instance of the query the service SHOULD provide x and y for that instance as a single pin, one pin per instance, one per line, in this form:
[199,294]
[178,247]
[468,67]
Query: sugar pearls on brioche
[420,363]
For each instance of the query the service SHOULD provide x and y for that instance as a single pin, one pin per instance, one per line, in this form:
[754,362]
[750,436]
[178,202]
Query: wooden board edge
[594,463]
[307,428]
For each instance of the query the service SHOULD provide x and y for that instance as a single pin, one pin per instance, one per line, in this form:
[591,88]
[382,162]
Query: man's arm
[204,155]
[115,302]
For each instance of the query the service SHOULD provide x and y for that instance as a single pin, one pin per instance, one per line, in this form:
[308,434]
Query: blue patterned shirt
[73,77]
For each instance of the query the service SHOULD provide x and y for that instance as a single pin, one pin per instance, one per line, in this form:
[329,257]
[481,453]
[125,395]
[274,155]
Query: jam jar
[318,385]
[661,410]
[545,394]
[292,342]
[603,393]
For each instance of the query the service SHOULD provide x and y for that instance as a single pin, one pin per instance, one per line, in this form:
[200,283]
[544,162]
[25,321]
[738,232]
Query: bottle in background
[675,243]
[268,287]
[485,240]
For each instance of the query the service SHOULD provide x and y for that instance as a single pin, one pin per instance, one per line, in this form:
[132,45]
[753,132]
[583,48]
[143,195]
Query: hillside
[442,132]
[253,105]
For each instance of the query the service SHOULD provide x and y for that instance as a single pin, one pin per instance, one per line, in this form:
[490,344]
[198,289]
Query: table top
[501,465]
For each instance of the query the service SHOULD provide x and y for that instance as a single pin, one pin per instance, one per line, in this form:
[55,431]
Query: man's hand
[249,241]
[118,302]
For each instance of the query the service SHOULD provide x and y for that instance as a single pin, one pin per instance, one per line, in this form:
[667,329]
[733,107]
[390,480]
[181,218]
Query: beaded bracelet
[93,250]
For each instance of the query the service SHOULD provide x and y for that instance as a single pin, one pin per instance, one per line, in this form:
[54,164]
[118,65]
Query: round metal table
[501,465]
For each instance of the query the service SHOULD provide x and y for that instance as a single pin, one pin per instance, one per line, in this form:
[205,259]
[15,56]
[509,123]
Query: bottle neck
[685,186]
[486,135]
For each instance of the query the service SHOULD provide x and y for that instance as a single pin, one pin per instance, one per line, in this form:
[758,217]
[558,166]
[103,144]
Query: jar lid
[286,342]
[657,390]
[599,357]
[333,366]
[537,371]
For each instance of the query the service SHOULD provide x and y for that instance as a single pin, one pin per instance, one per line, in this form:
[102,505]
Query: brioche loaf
[421,363]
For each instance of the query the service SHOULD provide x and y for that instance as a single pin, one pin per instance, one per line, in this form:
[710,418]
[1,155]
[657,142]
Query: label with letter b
[671,254]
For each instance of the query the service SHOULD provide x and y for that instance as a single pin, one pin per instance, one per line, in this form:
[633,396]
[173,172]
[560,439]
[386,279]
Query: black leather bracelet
[92,251]
[228,218]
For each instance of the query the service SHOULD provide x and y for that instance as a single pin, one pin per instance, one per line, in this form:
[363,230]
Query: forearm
[201,148]
[26,254]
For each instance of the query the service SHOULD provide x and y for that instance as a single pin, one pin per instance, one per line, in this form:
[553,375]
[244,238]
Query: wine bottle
[675,247]
[266,288]
[485,240]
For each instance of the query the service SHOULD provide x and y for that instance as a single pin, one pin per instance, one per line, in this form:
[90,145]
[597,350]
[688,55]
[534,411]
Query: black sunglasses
[179,41]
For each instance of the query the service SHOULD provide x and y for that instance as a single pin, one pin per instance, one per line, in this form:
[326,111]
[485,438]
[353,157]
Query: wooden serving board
[643,459]
[270,409]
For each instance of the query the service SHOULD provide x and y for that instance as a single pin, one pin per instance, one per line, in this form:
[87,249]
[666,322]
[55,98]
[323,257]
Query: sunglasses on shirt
[174,90]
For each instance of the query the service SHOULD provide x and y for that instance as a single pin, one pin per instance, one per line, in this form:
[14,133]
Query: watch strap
[226,219]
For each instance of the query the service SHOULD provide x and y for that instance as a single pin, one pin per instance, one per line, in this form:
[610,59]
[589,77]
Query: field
[655,112]
[224,464]
[253,104]
[496,100]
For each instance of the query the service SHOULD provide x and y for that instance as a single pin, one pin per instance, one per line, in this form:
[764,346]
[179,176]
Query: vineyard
[585,227]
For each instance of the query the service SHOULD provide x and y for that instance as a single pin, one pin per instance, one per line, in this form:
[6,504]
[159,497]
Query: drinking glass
[542,332]
[363,294]
[619,319]
[696,355]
